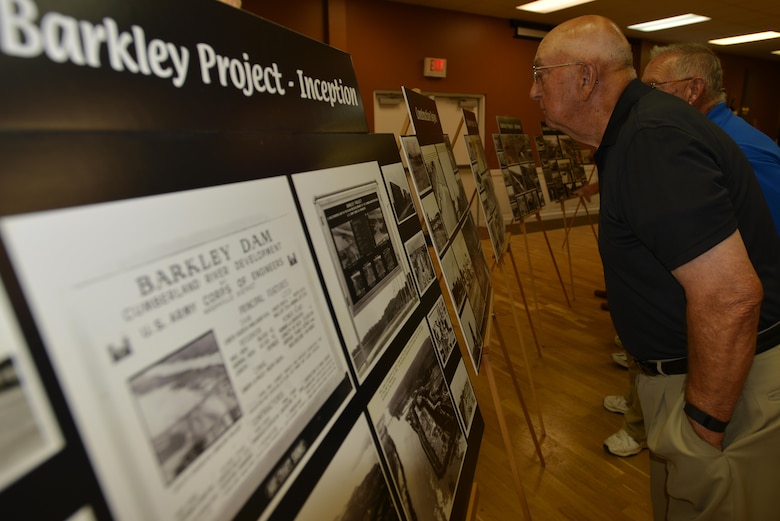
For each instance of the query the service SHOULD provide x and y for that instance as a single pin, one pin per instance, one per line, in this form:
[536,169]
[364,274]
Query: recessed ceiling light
[668,23]
[548,6]
[776,52]
[733,40]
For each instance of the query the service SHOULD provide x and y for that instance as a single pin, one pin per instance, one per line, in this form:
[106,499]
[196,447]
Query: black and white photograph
[464,396]
[472,332]
[442,331]
[415,420]
[359,248]
[414,159]
[353,486]
[452,176]
[491,211]
[520,177]
[28,433]
[441,189]
[568,147]
[187,403]
[552,146]
[563,173]
[398,189]
[454,279]
[487,197]
[19,432]
[476,153]
[361,240]
[420,261]
[478,260]
[474,292]
[436,228]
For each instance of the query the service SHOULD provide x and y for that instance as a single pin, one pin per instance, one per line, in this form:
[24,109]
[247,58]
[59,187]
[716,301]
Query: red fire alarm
[435,67]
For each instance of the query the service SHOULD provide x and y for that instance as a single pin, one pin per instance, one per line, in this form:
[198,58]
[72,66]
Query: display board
[488,202]
[450,225]
[518,168]
[214,301]
[561,163]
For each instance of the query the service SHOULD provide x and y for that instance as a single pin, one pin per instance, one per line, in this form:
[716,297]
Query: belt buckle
[651,367]
[659,368]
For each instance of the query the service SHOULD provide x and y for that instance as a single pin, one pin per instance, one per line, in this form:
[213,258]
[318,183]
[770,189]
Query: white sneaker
[615,403]
[621,444]
[620,359]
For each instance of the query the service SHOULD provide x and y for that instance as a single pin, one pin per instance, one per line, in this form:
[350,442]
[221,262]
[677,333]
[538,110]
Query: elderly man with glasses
[692,72]
[692,268]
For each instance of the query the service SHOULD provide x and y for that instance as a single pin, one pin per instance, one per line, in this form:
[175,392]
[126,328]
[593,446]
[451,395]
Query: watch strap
[704,419]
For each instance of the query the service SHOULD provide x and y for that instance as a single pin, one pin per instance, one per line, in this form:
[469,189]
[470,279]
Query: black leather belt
[663,367]
[767,339]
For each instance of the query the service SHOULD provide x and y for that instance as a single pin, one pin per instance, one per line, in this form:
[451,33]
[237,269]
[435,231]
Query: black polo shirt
[672,186]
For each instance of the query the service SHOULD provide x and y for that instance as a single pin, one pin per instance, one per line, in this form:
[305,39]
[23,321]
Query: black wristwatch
[704,419]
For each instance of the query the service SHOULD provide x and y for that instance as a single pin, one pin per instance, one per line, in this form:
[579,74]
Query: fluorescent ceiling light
[548,6]
[668,23]
[733,40]
[776,52]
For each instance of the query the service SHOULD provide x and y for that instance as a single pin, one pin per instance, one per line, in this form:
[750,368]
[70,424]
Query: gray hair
[698,60]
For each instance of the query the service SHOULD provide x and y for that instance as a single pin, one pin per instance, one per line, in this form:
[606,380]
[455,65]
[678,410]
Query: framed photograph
[399,192]
[442,331]
[354,485]
[415,420]
[187,403]
[29,433]
[361,256]
[465,399]
[420,261]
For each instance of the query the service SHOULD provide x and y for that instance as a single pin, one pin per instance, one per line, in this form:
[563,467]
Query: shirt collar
[634,91]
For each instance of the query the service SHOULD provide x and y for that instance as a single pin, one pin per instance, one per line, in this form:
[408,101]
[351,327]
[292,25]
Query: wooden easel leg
[568,252]
[552,256]
[505,434]
[590,221]
[530,264]
[521,399]
[525,302]
[511,370]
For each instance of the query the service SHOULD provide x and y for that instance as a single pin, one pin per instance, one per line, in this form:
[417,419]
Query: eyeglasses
[538,68]
[654,84]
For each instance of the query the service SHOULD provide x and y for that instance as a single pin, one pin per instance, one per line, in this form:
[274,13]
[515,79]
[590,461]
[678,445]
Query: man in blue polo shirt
[692,267]
[693,73]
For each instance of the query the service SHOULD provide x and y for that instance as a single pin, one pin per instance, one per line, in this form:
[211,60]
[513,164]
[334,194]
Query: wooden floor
[580,480]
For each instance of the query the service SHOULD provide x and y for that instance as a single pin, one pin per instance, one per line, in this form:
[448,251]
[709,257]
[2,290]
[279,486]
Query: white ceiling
[729,18]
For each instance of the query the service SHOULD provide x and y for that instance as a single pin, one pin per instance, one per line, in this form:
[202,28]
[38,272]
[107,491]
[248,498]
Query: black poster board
[456,244]
[95,151]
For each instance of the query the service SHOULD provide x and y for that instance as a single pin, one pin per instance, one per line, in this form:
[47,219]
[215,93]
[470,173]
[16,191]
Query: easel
[540,222]
[510,297]
[502,425]
[499,261]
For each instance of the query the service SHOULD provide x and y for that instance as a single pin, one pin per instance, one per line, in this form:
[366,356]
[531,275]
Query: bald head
[590,38]
[581,68]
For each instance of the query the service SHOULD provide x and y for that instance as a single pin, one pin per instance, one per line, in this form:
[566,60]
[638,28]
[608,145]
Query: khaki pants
[690,479]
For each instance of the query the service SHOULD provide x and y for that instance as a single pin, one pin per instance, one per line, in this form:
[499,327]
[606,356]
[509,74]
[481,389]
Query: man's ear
[695,90]
[589,78]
